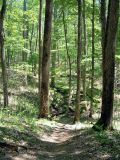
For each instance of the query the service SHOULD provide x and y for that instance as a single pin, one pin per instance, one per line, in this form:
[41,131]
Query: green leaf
[1,2]
[118,57]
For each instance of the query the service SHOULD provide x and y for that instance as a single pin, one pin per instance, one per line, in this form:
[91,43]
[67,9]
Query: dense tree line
[75,39]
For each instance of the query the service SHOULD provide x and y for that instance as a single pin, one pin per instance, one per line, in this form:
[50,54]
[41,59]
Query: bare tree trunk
[53,60]
[37,37]
[44,106]
[40,51]
[105,122]
[8,58]
[68,57]
[103,23]
[103,29]
[25,31]
[93,59]
[85,49]
[31,37]
[31,47]
[2,53]
[53,56]
[77,109]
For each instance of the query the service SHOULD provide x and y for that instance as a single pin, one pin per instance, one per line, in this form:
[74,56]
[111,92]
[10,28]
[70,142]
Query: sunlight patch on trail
[59,132]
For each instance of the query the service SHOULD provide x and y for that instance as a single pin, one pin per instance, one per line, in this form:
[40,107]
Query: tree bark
[53,60]
[79,51]
[53,56]
[31,46]
[103,23]
[2,54]
[105,121]
[25,31]
[37,39]
[85,49]
[68,57]
[40,51]
[93,58]
[44,100]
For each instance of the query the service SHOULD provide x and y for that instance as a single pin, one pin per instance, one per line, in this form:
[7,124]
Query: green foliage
[108,140]
[117,58]
[16,45]
[33,59]
[1,2]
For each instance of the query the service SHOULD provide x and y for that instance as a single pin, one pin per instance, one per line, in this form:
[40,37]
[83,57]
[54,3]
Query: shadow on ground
[84,145]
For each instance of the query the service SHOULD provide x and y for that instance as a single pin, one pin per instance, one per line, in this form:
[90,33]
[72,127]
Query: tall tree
[54,47]
[25,30]
[103,25]
[31,47]
[103,22]
[105,121]
[93,58]
[2,53]
[40,49]
[85,48]
[44,100]
[77,109]
[53,61]
[68,57]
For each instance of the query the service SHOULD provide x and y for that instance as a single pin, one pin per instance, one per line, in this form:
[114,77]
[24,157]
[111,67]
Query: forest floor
[58,141]
[24,137]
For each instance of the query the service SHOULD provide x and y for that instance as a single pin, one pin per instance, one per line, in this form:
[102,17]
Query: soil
[64,142]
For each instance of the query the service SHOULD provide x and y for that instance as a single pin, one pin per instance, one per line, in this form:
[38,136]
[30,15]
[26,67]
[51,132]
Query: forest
[59,80]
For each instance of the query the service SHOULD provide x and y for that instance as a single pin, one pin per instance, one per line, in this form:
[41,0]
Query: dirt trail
[60,133]
[64,142]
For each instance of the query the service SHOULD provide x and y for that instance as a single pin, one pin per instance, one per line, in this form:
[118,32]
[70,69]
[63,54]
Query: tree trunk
[37,37]
[40,52]
[93,59]
[85,49]
[77,109]
[44,106]
[103,23]
[31,46]
[8,58]
[53,60]
[25,31]
[53,56]
[2,53]
[105,122]
[68,57]
[103,27]
[31,38]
